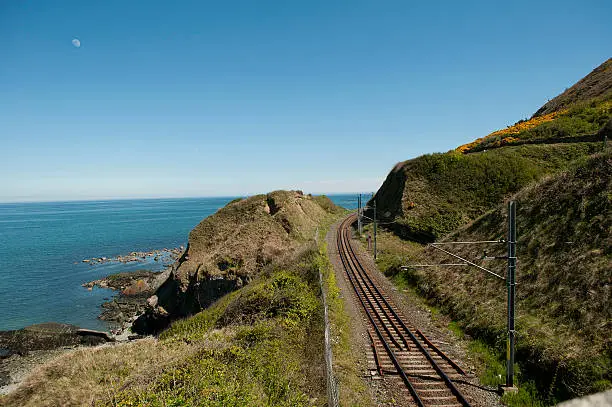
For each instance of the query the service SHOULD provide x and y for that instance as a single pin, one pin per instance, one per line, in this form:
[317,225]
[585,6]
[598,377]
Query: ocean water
[42,246]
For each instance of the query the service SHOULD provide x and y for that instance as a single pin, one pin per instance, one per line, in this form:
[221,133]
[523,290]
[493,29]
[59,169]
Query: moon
[76,42]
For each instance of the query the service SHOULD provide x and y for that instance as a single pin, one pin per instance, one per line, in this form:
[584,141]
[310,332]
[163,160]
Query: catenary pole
[359,213]
[511,284]
[374,229]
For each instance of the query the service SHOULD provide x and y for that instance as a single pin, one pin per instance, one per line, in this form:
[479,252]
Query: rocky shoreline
[164,254]
[134,288]
[23,349]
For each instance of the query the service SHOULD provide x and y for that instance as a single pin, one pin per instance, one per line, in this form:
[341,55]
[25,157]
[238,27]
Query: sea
[43,245]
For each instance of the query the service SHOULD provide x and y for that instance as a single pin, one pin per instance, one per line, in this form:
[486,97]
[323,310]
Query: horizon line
[171,197]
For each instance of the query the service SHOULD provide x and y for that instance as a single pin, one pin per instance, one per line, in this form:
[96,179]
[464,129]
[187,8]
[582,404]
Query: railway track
[400,350]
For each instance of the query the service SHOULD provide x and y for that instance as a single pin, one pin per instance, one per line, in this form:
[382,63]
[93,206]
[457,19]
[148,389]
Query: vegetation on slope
[260,345]
[575,115]
[434,194]
[564,227]
[228,249]
[596,84]
[564,278]
[576,123]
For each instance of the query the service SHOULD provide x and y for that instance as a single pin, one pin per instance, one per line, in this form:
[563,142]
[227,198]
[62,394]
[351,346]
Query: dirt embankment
[227,249]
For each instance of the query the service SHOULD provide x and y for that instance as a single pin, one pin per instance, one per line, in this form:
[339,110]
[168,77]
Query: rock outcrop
[227,249]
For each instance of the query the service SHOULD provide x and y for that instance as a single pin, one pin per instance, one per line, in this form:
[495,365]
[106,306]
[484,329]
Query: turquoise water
[42,245]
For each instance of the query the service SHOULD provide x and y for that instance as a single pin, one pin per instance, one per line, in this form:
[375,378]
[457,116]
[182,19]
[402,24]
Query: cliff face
[226,250]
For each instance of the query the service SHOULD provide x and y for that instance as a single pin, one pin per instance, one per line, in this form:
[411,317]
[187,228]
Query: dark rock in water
[46,336]
[135,288]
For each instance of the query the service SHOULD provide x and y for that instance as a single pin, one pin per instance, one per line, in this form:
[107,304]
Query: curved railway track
[399,349]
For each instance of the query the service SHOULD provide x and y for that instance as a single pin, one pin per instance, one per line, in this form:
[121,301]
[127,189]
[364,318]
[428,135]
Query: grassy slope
[564,294]
[434,194]
[578,112]
[580,121]
[230,247]
[563,288]
[596,84]
[259,345]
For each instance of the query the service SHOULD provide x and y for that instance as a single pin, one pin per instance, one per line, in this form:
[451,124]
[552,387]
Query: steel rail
[375,352]
[387,314]
[366,277]
[392,356]
[439,352]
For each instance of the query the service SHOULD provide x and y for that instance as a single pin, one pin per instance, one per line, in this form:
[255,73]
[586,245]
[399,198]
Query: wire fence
[333,396]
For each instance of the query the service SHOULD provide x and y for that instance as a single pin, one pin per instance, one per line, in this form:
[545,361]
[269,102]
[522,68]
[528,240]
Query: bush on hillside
[441,192]
[582,119]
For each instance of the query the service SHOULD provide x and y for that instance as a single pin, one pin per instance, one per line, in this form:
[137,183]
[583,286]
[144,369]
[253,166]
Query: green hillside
[558,167]
[564,275]
[434,194]
[260,344]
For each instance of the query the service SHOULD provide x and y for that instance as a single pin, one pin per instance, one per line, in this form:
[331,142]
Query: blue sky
[239,97]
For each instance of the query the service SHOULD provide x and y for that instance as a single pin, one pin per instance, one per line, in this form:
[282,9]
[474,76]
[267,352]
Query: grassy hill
[432,195]
[228,249]
[260,344]
[575,115]
[559,170]
[564,276]
[580,122]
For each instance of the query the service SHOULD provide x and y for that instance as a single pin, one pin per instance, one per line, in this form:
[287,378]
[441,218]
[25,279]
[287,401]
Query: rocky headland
[226,250]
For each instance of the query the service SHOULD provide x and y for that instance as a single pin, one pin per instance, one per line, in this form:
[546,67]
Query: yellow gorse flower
[510,131]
